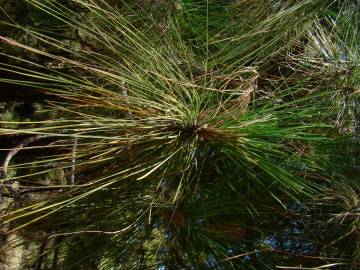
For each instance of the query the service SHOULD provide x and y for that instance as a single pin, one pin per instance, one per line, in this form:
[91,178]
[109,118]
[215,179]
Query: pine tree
[193,134]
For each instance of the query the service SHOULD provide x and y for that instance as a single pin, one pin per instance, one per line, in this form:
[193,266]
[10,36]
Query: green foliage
[192,135]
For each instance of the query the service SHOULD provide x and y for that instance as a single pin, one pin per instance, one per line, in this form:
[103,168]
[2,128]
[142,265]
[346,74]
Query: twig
[128,113]
[240,255]
[102,232]
[41,254]
[57,245]
[5,165]
[310,268]
[73,162]
[52,189]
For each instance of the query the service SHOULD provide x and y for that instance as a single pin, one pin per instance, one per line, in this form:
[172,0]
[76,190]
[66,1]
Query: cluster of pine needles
[185,134]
